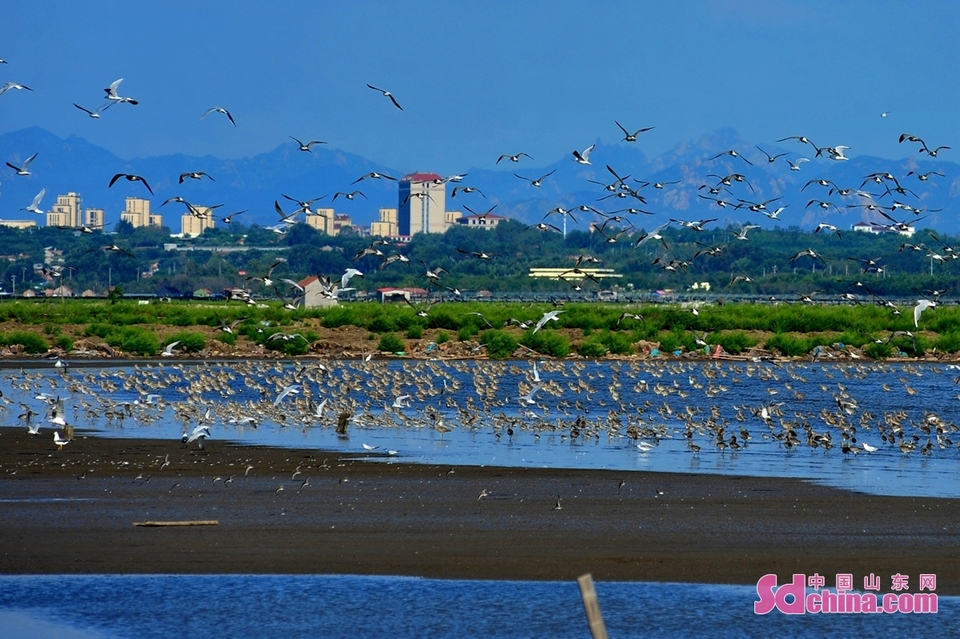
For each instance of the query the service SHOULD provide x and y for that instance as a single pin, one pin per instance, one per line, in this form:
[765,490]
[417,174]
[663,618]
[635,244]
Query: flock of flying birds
[727,187]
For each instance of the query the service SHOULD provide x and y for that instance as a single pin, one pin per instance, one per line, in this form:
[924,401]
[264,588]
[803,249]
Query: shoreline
[73,511]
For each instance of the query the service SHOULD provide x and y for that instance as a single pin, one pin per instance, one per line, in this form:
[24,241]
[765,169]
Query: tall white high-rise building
[423,200]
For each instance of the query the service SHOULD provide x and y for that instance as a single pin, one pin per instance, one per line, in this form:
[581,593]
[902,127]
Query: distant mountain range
[253,183]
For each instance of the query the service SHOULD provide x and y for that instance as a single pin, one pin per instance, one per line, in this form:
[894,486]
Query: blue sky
[484,78]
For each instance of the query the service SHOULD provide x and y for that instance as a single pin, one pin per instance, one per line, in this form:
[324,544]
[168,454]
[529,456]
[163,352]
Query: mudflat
[306,511]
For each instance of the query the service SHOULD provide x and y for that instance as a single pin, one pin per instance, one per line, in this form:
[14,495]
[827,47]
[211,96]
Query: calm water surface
[268,607]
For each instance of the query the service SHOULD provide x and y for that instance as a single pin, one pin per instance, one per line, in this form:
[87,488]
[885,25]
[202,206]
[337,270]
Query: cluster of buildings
[422,200]
[423,209]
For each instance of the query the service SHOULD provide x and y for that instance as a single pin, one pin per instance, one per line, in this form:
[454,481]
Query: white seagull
[836,153]
[292,389]
[528,398]
[305,146]
[13,85]
[35,205]
[345,278]
[387,94]
[319,412]
[795,166]
[114,98]
[551,315]
[583,157]
[93,114]
[59,441]
[921,306]
[198,434]
[25,169]
[168,349]
[219,110]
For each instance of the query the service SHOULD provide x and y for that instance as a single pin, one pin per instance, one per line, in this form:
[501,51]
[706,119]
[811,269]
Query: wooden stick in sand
[162,524]
[591,606]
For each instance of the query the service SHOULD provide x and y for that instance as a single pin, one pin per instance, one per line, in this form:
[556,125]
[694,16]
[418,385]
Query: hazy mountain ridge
[253,183]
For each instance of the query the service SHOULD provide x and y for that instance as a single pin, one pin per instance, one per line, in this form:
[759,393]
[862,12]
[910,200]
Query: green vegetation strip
[586,329]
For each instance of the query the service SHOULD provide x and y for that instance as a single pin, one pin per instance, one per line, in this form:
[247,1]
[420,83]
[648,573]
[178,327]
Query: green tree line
[762,265]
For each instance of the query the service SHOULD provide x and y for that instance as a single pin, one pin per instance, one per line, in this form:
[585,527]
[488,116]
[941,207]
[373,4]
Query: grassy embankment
[591,330]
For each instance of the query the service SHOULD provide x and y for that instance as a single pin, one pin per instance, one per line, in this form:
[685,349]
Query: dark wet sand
[364,517]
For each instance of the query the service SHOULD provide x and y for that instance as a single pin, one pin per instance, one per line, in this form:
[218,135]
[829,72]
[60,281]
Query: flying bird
[923,177]
[35,205]
[114,98]
[836,152]
[349,196]
[584,156]
[113,248]
[538,181]
[483,255]
[795,166]
[631,137]
[771,158]
[347,274]
[655,234]
[466,189]
[13,85]
[734,154]
[373,175]
[807,253]
[129,177]
[304,205]
[542,226]
[93,114]
[548,316]
[194,175]
[921,306]
[512,158]
[25,169]
[219,110]
[387,94]
[801,139]
[829,227]
[306,146]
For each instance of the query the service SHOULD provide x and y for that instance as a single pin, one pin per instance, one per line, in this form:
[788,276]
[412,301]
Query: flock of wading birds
[637,403]
[892,198]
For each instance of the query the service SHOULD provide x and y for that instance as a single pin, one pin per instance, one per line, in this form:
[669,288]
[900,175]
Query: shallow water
[280,606]
[667,405]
